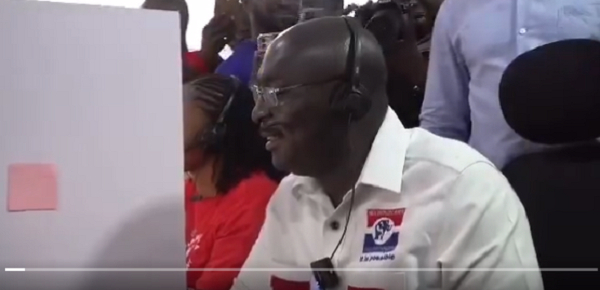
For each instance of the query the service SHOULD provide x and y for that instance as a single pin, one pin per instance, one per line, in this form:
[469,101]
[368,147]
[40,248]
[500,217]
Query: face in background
[242,24]
[303,135]
[422,24]
[272,15]
[426,12]
[195,121]
[235,10]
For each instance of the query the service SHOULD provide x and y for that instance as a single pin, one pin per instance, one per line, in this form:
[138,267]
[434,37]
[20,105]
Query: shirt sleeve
[486,241]
[232,245]
[445,109]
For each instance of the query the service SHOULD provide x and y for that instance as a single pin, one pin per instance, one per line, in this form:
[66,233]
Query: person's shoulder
[261,180]
[284,200]
[461,173]
[257,188]
[441,153]
[286,186]
[455,171]
[453,13]
[457,4]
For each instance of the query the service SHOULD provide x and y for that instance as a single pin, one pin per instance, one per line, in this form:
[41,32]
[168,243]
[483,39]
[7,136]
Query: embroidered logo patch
[382,234]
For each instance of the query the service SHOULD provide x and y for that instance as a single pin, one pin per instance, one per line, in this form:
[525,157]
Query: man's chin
[279,163]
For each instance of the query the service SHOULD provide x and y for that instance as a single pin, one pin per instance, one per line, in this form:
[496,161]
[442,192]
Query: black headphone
[349,99]
[213,138]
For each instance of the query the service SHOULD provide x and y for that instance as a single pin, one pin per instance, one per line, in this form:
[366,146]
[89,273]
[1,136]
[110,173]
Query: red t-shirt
[196,62]
[222,230]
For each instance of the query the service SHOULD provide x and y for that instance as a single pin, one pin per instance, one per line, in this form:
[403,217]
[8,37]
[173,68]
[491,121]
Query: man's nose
[259,112]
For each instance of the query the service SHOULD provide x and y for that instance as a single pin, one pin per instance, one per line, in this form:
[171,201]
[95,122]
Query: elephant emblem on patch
[382,230]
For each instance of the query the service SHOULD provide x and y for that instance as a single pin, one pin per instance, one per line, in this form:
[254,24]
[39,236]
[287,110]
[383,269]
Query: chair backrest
[559,190]
[551,95]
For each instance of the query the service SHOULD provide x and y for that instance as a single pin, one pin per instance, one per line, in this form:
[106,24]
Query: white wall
[97,91]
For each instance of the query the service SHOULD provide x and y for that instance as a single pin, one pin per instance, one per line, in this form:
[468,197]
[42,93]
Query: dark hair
[242,150]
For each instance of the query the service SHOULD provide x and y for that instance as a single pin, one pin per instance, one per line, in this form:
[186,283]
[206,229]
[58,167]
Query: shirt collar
[385,163]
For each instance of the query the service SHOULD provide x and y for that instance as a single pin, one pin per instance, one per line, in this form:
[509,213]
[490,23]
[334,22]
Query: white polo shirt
[429,213]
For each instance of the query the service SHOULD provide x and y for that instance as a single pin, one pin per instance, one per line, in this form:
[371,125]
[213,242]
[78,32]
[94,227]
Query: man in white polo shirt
[370,204]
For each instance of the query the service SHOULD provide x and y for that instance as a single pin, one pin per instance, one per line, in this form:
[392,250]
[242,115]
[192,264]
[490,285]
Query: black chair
[551,95]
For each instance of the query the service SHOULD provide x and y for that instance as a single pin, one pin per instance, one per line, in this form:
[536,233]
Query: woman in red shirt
[231,179]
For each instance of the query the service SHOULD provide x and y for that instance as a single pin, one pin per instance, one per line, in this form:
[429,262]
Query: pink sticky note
[32,187]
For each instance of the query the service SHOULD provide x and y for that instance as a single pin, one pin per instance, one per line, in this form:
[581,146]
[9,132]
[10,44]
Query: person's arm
[234,241]
[190,189]
[250,277]
[485,241]
[445,110]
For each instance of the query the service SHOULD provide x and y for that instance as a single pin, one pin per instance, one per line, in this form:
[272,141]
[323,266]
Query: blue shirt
[240,63]
[473,42]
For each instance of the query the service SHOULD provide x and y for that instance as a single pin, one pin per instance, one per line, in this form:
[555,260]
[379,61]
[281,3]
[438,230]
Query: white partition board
[96,91]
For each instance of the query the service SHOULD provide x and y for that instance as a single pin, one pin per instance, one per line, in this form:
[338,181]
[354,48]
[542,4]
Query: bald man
[370,204]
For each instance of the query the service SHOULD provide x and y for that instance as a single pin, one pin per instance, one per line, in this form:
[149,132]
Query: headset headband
[352,60]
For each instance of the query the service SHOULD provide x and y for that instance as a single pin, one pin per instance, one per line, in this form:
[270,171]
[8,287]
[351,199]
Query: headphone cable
[345,225]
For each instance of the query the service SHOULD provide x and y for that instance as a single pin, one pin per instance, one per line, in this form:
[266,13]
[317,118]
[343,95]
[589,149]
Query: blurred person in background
[406,56]
[240,18]
[215,35]
[263,16]
[220,31]
[229,27]
[192,65]
[473,42]
[231,179]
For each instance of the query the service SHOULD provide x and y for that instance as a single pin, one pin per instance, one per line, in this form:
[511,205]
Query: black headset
[213,138]
[349,99]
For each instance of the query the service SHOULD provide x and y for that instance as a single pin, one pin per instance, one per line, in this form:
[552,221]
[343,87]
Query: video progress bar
[297,269]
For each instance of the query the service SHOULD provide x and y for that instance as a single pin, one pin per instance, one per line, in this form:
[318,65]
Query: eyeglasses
[272,96]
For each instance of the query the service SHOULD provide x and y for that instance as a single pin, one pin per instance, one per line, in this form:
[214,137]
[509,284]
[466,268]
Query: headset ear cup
[213,139]
[218,133]
[357,105]
[350,101]
[338,98]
